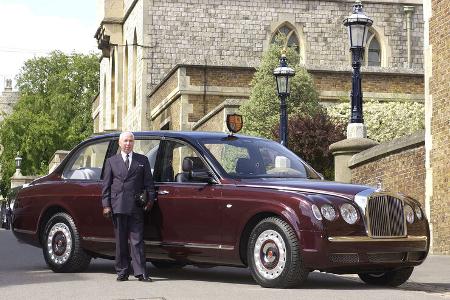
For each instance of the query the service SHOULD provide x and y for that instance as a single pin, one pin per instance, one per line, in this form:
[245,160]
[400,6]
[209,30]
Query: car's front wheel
[61,245]
[274,255]
[389,278]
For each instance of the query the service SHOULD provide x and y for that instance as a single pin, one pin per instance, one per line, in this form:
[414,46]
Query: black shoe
[144,278]
[122,278]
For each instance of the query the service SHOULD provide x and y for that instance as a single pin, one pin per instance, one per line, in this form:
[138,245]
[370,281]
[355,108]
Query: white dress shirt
[124,157]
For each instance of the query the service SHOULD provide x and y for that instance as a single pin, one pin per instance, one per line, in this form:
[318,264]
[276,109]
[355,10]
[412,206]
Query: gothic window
[372,57]
[292,39]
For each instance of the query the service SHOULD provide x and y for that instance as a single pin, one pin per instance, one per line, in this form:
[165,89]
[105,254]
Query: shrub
[385,121]
[310,137]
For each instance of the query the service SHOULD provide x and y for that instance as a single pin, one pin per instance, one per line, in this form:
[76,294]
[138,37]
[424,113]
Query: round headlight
[316,212]
[418,212]
[349,213]
[409,214]
[328,212]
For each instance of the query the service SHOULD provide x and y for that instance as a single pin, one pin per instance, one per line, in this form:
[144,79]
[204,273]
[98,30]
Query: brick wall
[226,77]
[377,83]
[400,164]
[166,87]
[439,85]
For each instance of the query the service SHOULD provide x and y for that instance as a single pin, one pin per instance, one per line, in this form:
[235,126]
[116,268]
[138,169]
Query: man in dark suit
[127,175]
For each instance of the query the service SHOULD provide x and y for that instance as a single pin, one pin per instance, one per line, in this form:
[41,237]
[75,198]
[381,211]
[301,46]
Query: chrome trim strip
[101,240]
[358,239]
[24,231]
[292,189]
[172,244]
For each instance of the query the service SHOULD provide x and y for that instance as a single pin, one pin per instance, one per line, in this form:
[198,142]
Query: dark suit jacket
[121,185]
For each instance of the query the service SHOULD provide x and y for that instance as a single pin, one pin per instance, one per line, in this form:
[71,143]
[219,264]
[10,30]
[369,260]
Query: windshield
[242,157]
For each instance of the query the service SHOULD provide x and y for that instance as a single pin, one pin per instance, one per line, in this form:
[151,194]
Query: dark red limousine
[244,201]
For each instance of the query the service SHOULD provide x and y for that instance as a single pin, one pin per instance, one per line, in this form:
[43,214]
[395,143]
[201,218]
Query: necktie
[127,161]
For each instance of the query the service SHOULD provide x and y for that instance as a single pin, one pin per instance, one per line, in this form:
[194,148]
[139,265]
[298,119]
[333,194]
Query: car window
[255,158]
[87,163]
[171,163]
[148,148]
[228,155]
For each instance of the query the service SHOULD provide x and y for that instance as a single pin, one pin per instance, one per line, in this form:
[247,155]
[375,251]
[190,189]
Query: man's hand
[149,206]
[107,212]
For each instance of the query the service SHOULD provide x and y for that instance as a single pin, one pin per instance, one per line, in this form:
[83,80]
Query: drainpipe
[409,10]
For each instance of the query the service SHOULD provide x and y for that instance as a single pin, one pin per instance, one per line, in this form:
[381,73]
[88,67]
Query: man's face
[126,143]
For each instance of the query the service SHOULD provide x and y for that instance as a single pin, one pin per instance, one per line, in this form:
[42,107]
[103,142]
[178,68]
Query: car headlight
[418,212]
[328,212]
[316,212]
[349,213]
[409,213]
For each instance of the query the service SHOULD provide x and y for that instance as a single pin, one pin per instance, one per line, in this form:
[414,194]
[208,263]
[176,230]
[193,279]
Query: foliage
[261,111]
[53,111]
[385,121]
[310,137]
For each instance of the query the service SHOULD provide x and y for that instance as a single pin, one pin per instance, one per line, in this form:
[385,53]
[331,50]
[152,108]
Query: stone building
[8,99]
[183,65]
[437,118]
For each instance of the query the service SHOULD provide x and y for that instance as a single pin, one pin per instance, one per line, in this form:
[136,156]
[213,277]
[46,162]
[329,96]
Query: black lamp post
[358,24]
[282,74]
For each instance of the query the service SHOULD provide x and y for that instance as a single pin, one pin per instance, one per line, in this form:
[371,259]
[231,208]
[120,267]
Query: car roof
[187,135]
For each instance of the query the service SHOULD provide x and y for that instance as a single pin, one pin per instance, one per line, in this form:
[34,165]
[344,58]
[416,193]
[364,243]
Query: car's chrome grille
[385,216]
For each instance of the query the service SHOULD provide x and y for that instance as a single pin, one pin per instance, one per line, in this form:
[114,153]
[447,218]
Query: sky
[30,28]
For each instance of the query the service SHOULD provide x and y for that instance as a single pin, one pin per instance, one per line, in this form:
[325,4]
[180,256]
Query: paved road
[24,275]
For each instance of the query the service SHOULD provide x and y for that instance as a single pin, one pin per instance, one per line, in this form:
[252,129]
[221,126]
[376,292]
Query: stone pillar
[343,152]
[56,160]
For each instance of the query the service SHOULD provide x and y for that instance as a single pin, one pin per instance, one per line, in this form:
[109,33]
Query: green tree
[261,112]
[53,111]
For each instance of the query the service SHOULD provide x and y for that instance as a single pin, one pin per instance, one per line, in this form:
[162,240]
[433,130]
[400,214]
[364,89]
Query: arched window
[372,55]
[292,39]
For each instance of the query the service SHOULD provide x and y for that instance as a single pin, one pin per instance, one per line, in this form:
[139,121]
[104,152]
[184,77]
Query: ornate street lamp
[18,161]
[358,24]
[282,74]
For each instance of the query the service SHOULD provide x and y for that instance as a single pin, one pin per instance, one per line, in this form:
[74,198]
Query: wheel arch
[45,217]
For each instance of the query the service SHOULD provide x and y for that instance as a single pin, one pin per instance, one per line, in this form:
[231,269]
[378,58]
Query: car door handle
[163,192]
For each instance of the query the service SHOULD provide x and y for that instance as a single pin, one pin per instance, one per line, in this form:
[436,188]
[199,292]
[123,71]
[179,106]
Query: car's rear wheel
[273,255]
[61,245]
[389,278]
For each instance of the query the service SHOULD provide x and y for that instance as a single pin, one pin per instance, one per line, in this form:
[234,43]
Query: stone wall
[235,33]
[400,164]
[437,111]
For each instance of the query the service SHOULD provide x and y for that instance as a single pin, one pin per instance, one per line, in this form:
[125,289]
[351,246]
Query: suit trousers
[129,227]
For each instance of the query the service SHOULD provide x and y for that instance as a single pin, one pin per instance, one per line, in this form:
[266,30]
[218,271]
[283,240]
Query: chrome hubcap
[59,243]
[270,254]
